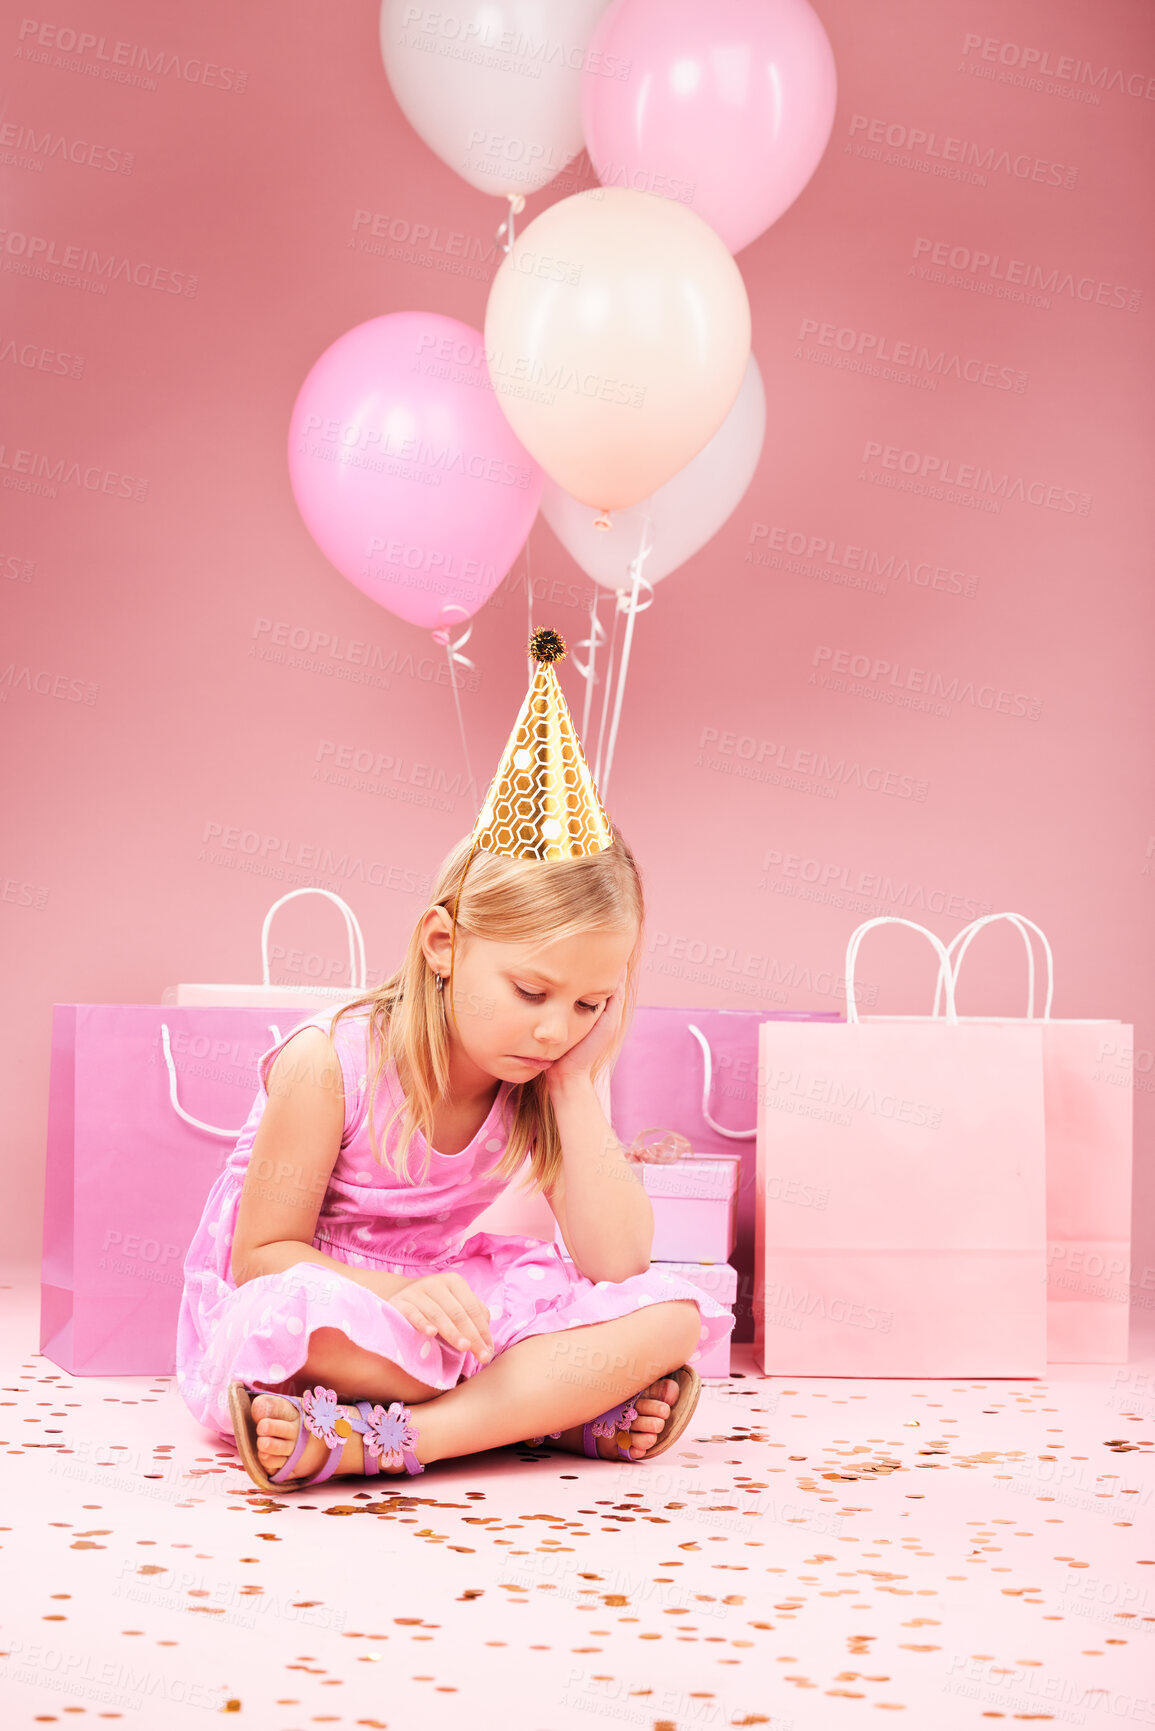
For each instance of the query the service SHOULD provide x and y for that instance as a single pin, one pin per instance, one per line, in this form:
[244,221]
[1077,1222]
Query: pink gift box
[695,1203]
[720,1281]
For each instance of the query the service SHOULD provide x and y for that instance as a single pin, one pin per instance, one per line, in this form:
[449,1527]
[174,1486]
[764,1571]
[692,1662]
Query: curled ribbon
[516,206]
[670,1146]
[625,599]
[441,636]
[593,642]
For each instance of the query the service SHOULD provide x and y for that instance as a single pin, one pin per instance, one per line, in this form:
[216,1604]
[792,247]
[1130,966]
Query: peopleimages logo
[29,471]
[36,357]
[849,563]
[451,247]
[891,353]
[1017,275]
[915,142]
[37,147]
[944,471]
[809,771]
[33,254]
[1039,63]
[832,881]
[229,844]
[371,445]
[123,62]
[927,680]
[478,38]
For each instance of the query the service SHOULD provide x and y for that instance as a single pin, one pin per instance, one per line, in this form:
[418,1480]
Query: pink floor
[953,1552]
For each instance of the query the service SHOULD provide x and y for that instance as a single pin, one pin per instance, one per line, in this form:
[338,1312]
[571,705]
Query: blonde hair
[502,900]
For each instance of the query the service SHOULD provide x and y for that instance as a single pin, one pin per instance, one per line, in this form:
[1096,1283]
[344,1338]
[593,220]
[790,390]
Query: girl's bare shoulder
[308,1063]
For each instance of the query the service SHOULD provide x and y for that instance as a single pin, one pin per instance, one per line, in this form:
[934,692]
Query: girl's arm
[601,1205]
[294,1152]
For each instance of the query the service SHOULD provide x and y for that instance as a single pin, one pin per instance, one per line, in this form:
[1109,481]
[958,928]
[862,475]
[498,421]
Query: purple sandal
[618,1418]
[388,1435]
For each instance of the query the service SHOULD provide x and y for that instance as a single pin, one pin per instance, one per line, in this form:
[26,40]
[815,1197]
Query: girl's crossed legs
[548,1382]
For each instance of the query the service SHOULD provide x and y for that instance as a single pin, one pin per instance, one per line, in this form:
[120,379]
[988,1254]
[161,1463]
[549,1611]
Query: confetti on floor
[811,1550]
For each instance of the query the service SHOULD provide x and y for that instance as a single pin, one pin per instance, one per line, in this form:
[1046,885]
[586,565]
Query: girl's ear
[436,938]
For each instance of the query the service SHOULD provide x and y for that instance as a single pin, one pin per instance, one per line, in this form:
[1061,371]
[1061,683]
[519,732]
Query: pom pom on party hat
[542,803]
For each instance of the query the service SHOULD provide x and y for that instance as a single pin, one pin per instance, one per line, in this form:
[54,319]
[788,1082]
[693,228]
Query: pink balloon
[727,107]
[405,470]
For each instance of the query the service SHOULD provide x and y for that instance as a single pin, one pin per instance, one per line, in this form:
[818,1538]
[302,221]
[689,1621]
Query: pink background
[144,716]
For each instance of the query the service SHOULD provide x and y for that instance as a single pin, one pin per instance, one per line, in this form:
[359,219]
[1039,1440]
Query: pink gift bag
[145,1103]
[1087,1086]
[900,1224]
[693,1071]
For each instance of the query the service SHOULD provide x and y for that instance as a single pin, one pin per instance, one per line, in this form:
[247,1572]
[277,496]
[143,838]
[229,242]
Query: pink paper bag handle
[969,933]
[708,1061]
[353,931]
[856,937]
[198,1123]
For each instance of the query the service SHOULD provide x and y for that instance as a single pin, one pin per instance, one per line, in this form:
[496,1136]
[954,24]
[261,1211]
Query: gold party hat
[542,803]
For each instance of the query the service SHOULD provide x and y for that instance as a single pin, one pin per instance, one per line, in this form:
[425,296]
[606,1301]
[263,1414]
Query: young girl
[336,1318]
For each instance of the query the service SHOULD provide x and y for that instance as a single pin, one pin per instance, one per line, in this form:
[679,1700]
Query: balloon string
[607,676]
[597,635]
[516,205]
[456,659]
[529,583]
[632,609]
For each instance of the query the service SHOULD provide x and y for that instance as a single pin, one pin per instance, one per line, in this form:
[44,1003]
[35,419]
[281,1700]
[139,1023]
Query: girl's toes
[276,1424]
[653,1411]
[272,1448]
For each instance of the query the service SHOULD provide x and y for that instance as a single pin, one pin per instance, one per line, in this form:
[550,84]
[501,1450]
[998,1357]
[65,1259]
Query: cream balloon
[617,334]
[683,515]
[494,86]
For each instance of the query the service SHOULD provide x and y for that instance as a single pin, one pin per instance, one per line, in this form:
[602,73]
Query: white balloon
[685,513]
[493,86]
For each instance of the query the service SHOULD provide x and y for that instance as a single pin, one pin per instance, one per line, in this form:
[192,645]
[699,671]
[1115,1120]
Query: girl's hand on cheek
[603,1030]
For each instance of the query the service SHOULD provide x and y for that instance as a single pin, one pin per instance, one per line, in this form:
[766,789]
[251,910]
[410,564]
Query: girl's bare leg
[548,1382]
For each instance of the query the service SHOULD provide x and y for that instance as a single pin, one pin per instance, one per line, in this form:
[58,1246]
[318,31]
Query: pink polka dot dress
[258,1333]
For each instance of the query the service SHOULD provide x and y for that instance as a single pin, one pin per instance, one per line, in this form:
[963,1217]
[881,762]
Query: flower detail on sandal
[322,1412]
[391,1434]
[618,1418]
[534,1441]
